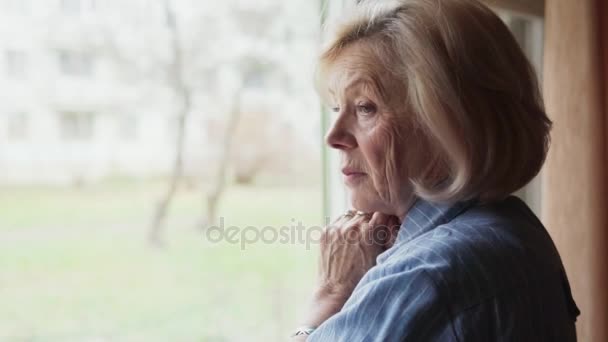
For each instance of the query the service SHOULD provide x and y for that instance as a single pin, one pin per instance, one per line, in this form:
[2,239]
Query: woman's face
[373,138]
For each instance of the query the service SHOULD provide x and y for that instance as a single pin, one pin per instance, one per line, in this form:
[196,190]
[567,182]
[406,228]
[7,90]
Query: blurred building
[82,90]
[63,115]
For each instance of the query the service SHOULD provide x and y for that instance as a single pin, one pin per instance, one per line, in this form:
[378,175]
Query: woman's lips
[352,176]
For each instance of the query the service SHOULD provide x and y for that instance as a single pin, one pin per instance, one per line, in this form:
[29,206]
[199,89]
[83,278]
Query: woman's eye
[366,109]
[335,109]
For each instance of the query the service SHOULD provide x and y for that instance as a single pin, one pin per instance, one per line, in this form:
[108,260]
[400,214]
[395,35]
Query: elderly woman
[438,119]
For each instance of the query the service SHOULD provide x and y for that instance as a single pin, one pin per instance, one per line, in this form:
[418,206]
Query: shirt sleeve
[390,305]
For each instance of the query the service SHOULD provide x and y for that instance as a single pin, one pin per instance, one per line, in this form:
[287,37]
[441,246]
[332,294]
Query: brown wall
[575,206]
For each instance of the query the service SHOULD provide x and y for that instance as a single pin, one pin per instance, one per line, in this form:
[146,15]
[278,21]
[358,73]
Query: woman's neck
[404,208]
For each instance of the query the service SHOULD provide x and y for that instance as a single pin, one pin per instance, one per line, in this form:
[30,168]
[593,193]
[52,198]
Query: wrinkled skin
[380,150]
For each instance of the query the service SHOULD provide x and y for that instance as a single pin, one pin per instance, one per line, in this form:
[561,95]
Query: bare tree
[213,196]
[248,65]
[186,65]
[184,96]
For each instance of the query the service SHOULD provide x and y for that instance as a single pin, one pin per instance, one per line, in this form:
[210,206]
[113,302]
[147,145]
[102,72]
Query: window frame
[74,63]
[76,126]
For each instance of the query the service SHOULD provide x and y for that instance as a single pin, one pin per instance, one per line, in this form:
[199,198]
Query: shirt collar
[423,216]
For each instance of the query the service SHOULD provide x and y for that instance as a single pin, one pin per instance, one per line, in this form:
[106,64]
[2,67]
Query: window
[105,161]
[76,125]
[73,63]
[15,63]
[127,129]
[17,126]
[77,6]
[519,27]
[256,79]
[16,6]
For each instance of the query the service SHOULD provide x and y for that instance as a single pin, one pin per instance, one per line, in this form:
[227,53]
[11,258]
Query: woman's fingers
[384,229]
[378,228]
[353,230]
[378,218]
[379,232]
[349,247]
[340,221]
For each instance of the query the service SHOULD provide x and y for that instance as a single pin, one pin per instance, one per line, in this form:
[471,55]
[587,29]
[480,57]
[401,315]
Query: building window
[15,63]
[73,63]
[17,126]
[77,6]
[127,129]
[76,125]
[16,6]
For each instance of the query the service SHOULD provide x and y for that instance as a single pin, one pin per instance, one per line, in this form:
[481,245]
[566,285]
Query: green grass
[75,266]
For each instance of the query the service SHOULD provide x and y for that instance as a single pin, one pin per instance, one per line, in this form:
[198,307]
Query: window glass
[76,125]
[15,62]
[73,63]
[174,179]
[17,126]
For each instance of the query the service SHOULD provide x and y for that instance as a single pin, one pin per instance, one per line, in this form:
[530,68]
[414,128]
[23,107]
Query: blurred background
[128,128]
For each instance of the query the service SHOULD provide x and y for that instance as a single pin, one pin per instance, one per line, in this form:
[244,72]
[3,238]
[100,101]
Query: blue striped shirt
[463,272]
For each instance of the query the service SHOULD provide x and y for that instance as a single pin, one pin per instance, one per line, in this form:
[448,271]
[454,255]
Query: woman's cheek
[379,153]
[371,148]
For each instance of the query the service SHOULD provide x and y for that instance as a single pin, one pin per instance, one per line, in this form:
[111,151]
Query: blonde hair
[468,87]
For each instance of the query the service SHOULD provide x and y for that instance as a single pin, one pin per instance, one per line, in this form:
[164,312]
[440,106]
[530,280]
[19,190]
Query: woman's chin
[355,180]
[363,203]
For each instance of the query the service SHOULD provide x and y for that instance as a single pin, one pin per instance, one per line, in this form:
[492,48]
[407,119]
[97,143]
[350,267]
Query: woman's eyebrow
[357,81]
[360,80]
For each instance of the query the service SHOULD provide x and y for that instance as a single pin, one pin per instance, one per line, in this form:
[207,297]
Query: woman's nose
[340,138]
